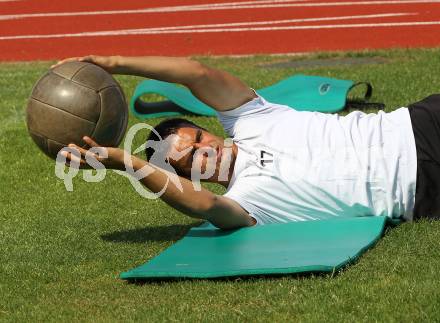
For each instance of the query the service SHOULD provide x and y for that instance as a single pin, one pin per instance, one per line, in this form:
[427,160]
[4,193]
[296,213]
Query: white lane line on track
[197,7]
[218,6]
[220,30]
[270,22]
[192,27]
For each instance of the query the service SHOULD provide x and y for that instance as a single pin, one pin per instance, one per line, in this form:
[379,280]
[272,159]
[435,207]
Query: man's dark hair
[166,128]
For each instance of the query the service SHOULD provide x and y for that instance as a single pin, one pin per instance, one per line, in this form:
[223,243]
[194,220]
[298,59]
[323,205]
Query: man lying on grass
[285,165]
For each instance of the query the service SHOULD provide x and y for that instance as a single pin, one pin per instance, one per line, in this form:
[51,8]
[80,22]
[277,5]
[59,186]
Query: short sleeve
[238,193]
[251,108]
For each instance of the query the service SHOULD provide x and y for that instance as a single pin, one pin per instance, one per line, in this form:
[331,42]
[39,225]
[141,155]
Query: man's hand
[114,156]
[109,63]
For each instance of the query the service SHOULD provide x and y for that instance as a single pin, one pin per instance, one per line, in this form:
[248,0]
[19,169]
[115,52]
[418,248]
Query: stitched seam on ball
[60,143]
[55,141]
[51,106]
[100,114]
[42,136]
[124,123]
[47,138]
[77,83]
[105,88]
[65,145]
[79,69]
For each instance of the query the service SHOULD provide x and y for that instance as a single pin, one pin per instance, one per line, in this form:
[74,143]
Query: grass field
[61,252]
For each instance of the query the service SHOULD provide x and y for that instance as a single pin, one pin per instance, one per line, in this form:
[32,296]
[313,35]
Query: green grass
[61,252]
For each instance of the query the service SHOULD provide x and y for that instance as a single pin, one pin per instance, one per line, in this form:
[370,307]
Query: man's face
[203,150]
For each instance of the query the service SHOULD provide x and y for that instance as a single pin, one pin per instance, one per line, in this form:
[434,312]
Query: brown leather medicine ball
[73,100]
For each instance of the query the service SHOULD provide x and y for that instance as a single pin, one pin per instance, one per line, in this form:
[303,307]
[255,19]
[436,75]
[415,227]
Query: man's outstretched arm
[202,204]
[216,88]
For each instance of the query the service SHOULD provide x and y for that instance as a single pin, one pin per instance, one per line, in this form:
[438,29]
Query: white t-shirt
[296,165]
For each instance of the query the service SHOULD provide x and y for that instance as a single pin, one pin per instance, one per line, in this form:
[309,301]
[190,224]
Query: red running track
[45,29]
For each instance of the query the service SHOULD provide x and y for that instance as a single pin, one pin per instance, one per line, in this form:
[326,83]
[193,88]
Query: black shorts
[425,119]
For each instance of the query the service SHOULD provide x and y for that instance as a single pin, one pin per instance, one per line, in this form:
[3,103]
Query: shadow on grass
[156,233]
[235,279]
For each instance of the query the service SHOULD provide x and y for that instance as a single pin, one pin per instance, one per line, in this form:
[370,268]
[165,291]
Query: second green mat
[301,92]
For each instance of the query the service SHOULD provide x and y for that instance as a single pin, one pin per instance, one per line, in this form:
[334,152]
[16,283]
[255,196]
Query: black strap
[362,102]
[368,89]
[362,105]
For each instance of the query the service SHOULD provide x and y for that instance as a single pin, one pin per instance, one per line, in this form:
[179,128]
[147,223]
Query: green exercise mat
[295,247]
[301,92]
